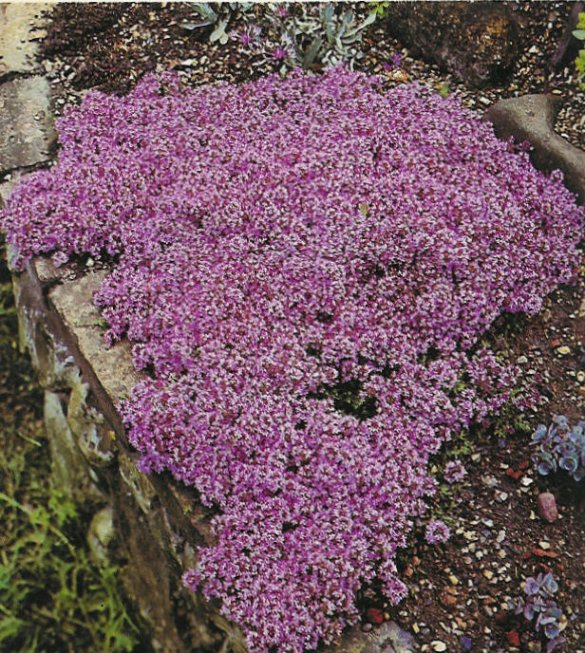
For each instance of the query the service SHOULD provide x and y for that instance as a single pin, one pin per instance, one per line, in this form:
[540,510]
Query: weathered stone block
[21,24]
[50,357]
[27,135]
[531,118]
[95,440]
[100,535]
[113,369]
[69,469]
[476,41]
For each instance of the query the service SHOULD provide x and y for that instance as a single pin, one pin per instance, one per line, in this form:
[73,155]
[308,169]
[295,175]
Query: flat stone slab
[21,25]
[27,134]
[531,118]
[73,300]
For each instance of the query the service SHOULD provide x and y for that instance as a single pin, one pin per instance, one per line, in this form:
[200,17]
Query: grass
[53,597]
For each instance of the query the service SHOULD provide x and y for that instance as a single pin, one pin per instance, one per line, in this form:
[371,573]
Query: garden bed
[458,601]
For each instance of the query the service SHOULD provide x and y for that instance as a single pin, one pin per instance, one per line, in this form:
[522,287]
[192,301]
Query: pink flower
[279,53]
[437,532]
[454,471]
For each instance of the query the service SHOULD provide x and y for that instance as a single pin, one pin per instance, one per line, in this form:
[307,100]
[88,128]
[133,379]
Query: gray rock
[531,118]
[476,41]
[94,439]
[69,470]
[388,638]
[21,25]
[547,507]
[112,367]
[569,45]
[100,535]
[27,135]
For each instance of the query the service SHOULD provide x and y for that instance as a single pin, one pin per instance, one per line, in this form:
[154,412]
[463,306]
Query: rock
[447,600]
[94,439]
[388,638]
[438,646]
[478,42]
[100,534]
[27,135]
[112,367]
[69,470]
[547,507]
[513,638]
[20,27]
[531,118]
[568,45]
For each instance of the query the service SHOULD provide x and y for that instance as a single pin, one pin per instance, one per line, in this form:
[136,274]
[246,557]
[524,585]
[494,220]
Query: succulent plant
[560,447]
[540,608]
[329,37]
[219,16]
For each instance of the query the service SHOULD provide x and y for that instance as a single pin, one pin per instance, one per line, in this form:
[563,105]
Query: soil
[458,591]
[461,589]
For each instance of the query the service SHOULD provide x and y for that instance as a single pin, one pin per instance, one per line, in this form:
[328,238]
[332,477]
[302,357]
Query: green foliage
[328,38]
[444,90]
[379,8]
[52,598]
[220,15]
[579,33]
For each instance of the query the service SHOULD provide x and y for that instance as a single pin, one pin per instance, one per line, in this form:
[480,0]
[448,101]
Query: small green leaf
[444,90]
[579,34]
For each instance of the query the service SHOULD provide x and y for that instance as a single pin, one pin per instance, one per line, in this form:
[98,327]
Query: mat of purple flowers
[305,267]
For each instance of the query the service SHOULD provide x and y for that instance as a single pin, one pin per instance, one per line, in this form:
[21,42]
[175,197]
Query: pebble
[545,546]
[488,574]
[547,507]
[563,351]
[438,645]
[448,600]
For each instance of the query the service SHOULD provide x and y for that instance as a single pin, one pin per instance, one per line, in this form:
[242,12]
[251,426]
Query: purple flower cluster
[304,267]
[437,532]
[454,471]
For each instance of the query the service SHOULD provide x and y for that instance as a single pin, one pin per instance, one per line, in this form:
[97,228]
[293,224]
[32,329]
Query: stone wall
[154,524]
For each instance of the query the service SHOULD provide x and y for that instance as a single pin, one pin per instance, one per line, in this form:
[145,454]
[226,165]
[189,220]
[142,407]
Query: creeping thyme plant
[304,267]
